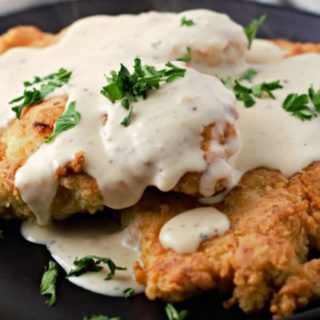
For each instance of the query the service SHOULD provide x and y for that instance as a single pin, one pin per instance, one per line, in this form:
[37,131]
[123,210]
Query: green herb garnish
[186,57]
[1,234]
[267,88]
[248,75]
[173,314]
[252,29]
[33,95]
[314,96]
[243,94]
[128,88]
[247,94]
[48,283]
[68,120]
[101,317]
[184,22]
[93,264]
[127,119]
[129,292]
[299,104]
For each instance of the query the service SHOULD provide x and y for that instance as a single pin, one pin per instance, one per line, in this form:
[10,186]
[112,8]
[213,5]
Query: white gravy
[73,239]
[163,141]
[264,51]
[185,231]
[270,136]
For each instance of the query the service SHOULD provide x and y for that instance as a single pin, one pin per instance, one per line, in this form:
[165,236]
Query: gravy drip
[185,231]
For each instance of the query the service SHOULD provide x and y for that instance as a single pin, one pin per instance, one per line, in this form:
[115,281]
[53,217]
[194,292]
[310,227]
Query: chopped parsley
[184,22]
[243,94]
[93,264]
[68,120]
[173,314]
[37,89]
[128,88]
[315,98]
[248,75]
[248,94]
[101,317]
[252,29]
[299,104]
[186,57]
[48,283]
[129,292]
[127,119]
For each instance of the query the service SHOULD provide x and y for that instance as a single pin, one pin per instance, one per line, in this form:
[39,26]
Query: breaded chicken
[261,258]
[27,36]
[77,192]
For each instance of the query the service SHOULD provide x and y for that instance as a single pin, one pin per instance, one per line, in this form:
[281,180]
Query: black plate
[22,263]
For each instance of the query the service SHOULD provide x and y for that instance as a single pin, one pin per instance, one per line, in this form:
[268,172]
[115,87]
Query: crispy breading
[299,290]
[272,229]
[295,48]
[27,36]
[20,139]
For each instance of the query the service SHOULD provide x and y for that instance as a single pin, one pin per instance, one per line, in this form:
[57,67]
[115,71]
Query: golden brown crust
[272,229]
[19,140]
[26,36]
[296,48]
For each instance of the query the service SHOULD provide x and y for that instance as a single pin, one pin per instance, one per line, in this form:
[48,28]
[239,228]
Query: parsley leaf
[46,85]
[126,120]
[247,94]
[243,94]
[101,317]
[173,314]
[186,57]
[129,292]
[252,29]
[128,88]
[248,75]
[48,283]
[297,105]
[184,22]
[315,98]
[68,120]
[266,87]
[93,264]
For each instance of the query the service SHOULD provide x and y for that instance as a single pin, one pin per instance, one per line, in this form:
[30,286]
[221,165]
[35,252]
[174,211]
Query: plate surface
[22,263]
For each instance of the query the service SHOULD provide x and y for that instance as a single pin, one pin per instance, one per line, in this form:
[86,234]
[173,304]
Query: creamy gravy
[264,51]
[163,140]
[270,136]
[73,239]
[184,232]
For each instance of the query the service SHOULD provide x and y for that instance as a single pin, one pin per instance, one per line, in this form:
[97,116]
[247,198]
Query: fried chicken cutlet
[78,191]
[262,258]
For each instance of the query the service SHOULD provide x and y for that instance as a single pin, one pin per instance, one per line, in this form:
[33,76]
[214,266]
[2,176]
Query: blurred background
[9,6]
[53,15]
